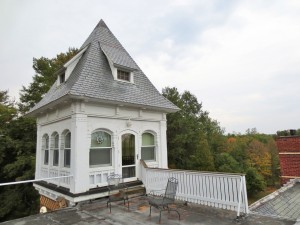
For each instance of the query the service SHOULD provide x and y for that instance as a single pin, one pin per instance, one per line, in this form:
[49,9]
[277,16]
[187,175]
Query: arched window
[67,150]
[100,151]
[45,148]
[148,147]
[55,148]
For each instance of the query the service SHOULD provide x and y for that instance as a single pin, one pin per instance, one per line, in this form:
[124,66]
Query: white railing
[221,190]
[65,181]
[98,178]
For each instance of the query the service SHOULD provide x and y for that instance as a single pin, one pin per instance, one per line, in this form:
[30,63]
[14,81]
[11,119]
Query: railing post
[144,173]
[240,196]
[245,195]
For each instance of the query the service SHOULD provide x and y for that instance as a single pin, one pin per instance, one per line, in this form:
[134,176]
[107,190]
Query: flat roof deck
[96,212]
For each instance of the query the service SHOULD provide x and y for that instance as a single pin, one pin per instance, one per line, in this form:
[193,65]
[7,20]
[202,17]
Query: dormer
[121,64]
[64,72]
[61,76]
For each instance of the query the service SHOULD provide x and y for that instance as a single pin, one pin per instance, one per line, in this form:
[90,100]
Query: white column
[79,153]
[116,153]
[163,145]
[39,158]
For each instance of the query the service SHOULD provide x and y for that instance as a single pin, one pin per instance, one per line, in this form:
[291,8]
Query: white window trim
[99,148]
[64,150]
[53,148]
[44,149]
[154,145]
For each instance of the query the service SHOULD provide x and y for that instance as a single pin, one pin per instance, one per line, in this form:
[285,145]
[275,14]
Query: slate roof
[283,203]
[92,77]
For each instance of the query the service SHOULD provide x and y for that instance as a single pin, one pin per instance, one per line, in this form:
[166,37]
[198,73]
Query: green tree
[7,111]
[255,182]
[189,133]
[202,159]
[226,163]
[260,158]
[18,139]
[43,79]
[255,150]
[274,179]
[17,159]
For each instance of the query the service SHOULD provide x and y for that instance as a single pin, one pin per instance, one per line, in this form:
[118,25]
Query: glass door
[128,156]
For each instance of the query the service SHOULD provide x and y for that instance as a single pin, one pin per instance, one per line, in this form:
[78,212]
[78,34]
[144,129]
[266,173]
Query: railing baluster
[213,189]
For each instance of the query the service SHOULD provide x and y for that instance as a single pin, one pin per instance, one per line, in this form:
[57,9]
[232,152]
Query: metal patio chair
[163,201]
[117,190]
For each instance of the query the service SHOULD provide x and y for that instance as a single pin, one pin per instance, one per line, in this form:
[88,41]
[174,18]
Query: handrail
[35,180]
[144,164]
[192,171]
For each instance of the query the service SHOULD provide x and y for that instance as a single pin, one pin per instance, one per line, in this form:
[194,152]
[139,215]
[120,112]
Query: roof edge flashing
[78,55]
[71,64]
[105,101]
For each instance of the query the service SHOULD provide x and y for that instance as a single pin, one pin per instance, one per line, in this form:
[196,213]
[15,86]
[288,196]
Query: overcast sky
[240,58]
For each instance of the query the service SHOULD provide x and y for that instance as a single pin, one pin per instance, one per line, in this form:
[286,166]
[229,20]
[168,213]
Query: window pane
[62,78]
[46,157]
[128,149]
[67,158]
[55,158]
[46,139]
[123,75]
[147,139]
[101,157]
[128,172]
[68,140]
[101,139]
[148,153]
[56,141]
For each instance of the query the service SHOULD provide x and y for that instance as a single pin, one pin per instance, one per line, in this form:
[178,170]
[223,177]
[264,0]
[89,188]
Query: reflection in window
[148,147]
[45,148]
[128,155]
[100,151]
[67,150]
[55,149]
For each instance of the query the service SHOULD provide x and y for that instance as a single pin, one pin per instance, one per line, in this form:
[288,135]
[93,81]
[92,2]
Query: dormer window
[123,75]
[121,71]
[62,78]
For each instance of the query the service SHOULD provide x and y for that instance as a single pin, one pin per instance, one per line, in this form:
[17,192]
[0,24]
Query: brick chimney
[289,156]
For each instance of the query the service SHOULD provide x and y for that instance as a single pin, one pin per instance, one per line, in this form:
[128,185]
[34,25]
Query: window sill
[97,168]
[124,81]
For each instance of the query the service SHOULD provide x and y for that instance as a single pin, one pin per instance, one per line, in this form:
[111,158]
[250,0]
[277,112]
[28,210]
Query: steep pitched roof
[92,77]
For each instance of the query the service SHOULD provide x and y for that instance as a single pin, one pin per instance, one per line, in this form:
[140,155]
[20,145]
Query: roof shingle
[92,76]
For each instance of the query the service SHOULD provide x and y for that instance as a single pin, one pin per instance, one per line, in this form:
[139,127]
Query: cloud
[239,66]
[240,58]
